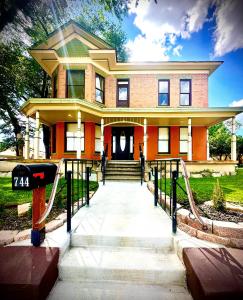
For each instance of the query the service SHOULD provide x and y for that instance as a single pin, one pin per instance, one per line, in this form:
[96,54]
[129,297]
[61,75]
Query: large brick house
[98,102]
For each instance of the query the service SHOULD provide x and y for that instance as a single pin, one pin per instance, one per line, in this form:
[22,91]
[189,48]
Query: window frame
[190,92]
[123,103]
[164,140]
[180,140]
[168,93]
[67,85]
[97,138]
[103,78]
[65,138]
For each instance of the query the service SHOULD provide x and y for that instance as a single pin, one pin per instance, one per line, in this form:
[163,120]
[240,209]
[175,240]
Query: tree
[37,21]
[219,141]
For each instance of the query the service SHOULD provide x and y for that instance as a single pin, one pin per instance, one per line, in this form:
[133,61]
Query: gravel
[213,214]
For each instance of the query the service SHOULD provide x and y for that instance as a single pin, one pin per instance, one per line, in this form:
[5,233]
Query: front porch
[81,129]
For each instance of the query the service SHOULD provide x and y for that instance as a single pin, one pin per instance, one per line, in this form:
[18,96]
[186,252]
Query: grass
[232,187]
[8,197]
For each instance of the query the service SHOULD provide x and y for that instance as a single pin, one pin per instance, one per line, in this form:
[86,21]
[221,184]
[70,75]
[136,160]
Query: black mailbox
[29,177]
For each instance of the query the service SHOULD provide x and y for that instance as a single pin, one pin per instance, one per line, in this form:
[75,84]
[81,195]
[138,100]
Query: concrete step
[110,290]
[121,177]
[123,172]
[123,168]
[152,244]
[90,263]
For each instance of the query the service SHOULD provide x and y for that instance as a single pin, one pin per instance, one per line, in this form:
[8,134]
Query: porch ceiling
[57,110]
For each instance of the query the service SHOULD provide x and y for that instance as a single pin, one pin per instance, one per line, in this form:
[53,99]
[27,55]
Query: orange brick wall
[138,139]
[107,140]
[199,143]
[143,88]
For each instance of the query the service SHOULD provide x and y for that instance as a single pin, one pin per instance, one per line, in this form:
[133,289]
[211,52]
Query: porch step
[123,170]
[99,264]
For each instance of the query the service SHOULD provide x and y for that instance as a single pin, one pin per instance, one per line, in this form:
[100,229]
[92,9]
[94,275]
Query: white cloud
[177,50]
[238,103]
[163,23]
[229,26]
[143,49]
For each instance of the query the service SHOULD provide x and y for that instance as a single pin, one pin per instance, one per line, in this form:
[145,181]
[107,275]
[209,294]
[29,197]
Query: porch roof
[65,110]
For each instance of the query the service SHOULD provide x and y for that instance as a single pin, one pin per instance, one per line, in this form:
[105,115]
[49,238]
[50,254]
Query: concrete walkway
[121,248]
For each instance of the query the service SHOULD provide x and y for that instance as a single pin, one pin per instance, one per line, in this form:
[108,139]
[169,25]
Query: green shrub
[2,206]
[218,198]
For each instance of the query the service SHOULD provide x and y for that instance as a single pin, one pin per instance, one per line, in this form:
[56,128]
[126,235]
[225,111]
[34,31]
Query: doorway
[122,143]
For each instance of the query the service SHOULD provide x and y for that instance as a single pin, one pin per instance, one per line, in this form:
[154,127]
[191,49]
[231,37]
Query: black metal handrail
[160,172]
[103,163]
[77,173]
[142,163]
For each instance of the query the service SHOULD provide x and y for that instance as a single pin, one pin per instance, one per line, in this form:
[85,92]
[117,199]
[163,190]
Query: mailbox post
[35,177]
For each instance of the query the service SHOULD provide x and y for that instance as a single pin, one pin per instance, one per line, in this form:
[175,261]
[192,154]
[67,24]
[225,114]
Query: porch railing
[103,163]
[166,174]
[142,163]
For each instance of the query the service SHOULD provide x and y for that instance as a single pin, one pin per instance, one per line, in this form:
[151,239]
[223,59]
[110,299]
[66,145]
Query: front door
[122,143]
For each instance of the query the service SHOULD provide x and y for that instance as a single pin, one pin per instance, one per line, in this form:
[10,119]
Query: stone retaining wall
[226,233]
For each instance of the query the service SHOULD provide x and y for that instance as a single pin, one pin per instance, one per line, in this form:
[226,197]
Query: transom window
[99,88]
[164,92]
[164,140]
[123,92]
[75,84]
[97,138]
[72,136]
[183,139]
[185,92]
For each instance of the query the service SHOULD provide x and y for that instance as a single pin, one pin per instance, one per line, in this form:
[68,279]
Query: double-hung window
[183,139]
[72,137]
[75,84]
[185,92]
[123,92]
[164,140]
[99,88]
[97,138]
[164,92]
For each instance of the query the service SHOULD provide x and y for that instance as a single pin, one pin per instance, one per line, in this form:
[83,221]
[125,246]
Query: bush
[2,206]
[218,198]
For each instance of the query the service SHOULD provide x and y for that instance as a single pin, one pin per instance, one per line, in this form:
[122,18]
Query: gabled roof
[72,45]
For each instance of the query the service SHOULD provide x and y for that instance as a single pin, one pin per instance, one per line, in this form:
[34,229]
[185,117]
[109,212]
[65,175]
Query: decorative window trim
[168,140]
[65,137]
[182,140]
[190,92]
[102,91]
[123,103]
[168,93]
[67,85]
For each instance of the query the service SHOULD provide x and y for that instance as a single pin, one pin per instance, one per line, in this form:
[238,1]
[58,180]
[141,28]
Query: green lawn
[232,187]
[9,197]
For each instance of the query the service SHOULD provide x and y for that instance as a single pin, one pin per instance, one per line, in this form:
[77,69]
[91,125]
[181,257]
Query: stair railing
[103,163]
[169,169]
[142,163]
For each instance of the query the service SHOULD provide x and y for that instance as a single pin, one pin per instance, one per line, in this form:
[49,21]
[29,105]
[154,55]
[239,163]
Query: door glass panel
[123,141]
[131,144]
[114,144]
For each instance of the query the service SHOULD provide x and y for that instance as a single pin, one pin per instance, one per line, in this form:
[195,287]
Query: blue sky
[192,30]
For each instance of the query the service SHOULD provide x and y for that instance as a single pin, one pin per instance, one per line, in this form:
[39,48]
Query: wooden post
[233,141]
[79,136]
[189,142]
[27,140]
[37,135]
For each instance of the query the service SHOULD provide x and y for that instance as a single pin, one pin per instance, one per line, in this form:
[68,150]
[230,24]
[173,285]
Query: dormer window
[75,84]
[185,92]
[99,88]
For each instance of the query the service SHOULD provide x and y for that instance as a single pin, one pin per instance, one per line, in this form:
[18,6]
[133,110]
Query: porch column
[208,155]
[37,135]
[27,139]
[79,136]
[101,137]
[233,141]
[189,142]
[145,138]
